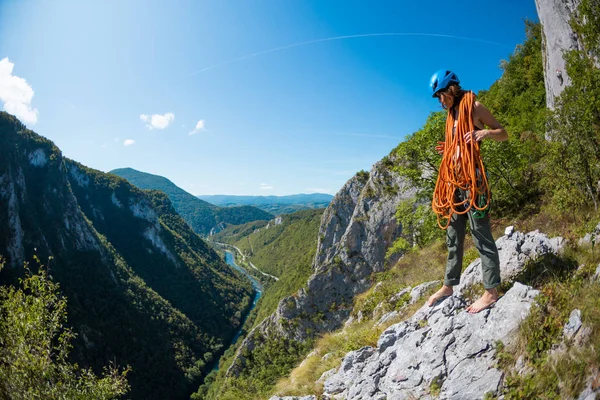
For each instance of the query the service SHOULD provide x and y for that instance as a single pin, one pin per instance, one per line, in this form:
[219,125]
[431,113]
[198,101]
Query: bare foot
[445,291]
[489,297]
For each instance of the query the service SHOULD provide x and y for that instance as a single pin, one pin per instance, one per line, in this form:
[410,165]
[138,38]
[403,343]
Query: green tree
[35,345]
[518,101]
[575,123]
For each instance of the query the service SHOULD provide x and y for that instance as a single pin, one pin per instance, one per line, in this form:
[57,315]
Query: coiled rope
[461,169]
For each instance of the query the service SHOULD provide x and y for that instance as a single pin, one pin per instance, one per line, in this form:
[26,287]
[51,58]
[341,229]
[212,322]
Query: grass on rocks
[416,267]
[552,367]
[541,363]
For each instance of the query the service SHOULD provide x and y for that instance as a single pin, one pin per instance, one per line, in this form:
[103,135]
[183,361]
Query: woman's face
[445,99]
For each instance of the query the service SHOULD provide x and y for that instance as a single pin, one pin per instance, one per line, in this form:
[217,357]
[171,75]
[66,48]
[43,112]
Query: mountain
[143,289]
[203,217]
[273,204]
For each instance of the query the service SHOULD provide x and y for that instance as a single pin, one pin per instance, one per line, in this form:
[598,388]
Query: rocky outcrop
[515,249]
[276,221]
[591,390]
[441,346]
[38,212]
[218,228]
[356,230]
[443,350]
[558,37]
[591,238]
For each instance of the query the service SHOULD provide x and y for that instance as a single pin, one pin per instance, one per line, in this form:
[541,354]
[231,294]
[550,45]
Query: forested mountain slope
[142,289]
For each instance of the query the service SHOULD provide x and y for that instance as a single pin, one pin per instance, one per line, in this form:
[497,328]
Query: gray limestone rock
[590,238]
[443,343]
[591,391]
[349,322]
[399,295]
[520,366]
[359,317]
[509,230]
[326,375]
[350,371]
[572,327]
[311,397]
[388,316]
[596,276]
[582,336]
[515,251]
[421,289]
[558,37]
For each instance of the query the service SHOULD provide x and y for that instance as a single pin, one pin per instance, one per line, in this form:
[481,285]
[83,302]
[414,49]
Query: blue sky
[125,83]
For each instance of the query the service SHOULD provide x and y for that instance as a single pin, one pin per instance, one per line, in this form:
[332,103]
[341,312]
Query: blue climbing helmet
[441,80]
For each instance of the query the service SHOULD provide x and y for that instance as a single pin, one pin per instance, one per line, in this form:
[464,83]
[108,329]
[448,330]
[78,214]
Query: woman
[445,86]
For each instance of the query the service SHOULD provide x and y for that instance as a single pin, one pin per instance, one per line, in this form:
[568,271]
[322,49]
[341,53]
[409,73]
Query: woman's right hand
[440,147]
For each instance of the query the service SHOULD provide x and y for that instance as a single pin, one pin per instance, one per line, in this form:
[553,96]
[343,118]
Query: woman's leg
[481,231]
[490,261]
[455,238]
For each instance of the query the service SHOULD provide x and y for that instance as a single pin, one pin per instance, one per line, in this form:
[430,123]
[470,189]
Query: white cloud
[199,127]
[157,121]
[128,142]
[265,186]
[16,94]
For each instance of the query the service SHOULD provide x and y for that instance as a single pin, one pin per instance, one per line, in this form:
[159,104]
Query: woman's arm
[483,115]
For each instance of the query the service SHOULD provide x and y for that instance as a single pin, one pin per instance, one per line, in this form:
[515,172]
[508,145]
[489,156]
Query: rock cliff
[559,37]
[356,230]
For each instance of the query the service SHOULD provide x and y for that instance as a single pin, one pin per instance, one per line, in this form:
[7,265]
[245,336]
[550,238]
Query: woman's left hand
[476,135]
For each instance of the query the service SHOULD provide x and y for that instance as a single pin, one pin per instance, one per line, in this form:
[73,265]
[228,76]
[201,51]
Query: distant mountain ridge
[203,217]
[273,204]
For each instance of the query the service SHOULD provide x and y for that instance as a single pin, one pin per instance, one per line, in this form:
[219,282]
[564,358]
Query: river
[256,285]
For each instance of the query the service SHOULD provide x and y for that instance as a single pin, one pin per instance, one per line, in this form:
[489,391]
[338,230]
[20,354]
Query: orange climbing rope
[461,168]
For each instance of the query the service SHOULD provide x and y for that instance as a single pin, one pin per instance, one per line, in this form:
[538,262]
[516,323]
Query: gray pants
[484,242]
